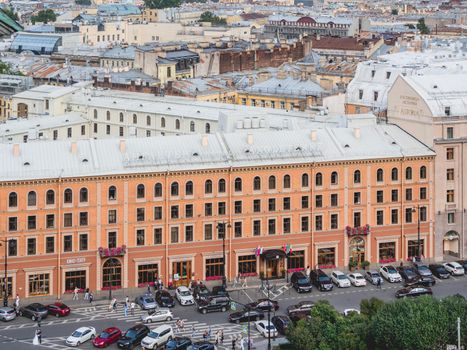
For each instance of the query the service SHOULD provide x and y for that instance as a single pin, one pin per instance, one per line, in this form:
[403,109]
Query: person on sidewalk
[132,308]
[378,284]
[216,338]
[182,325]
[125,310]
[75,293]
[127,301]
[234,342]
[86,294]
[35,340]
[222,336]
[91,297]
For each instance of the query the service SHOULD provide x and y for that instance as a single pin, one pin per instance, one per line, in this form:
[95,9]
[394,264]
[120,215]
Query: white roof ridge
[334,140]
[92,146]
[223,143]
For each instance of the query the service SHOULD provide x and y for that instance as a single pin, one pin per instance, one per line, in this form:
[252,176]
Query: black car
[178,343]
[219,291]
[439,271]
[164,299]
[300,282]
[202,345]
[133,336]
[245,315]
[200,291]
[211,304]
[463,263]
[407,273]
[413,292]
[321,280]
[264,305]
[424,281]
[281,322]
[34,311]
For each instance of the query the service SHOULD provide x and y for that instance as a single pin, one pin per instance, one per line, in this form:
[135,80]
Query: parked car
[463,263]
[184,296]
[422,269]
[200,291]
[454,268]
[266,329]
[202,345]
[158,315]
[300,282]
[373,277]
[424,281]
[219,290]
[7,313]
[58,309]
[146,302]
[34,311]
[80,336]
[322,281]
[133,336]
[264,305]
[164,299]
[245,315]
[157,337]
[178,343]
[357,279]
[390,274]
[107,337]
[340,279]
[413,292]
[439,271]
[281,322]
[217,303]
[407,273]
[300,310]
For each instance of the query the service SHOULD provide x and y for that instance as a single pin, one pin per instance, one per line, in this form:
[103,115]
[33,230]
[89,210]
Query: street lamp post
[418,231]
[221,227]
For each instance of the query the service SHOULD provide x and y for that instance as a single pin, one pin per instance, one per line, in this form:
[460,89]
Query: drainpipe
[166,228]
[231,224]
[59,238]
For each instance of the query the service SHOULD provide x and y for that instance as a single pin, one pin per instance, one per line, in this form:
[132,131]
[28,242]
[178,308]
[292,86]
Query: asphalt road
[18,334]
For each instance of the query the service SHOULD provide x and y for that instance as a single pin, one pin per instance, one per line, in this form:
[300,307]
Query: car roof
[111,329]
[455,263]
[82,329]
[337,272]
[6,308]
[183,288]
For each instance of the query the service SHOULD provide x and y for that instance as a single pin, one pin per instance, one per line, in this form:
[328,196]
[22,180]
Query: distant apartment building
[9,86]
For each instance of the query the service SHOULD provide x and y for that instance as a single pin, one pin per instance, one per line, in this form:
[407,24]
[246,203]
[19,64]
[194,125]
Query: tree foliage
[5,68]
[212,18]
[162,4]
[10,13]
[370,307]
[421,26]
[44,16]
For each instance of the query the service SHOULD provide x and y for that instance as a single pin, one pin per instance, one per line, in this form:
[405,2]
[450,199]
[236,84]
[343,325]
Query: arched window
[121,117]
[162,122]
[174,189]
[221,186]
[12,200]
[408,173]
[68,196]
[257,183]
[32,199]
[135,119]
[394,174]
[108,115]
[380,175]
[140,191]
[148,120]
[357,177]
[112,195]
[238,185]
[95,114]
[272,182]
[50,197]
[158,190]
[188,189]
[305,180]
[83,195]
[112,273]
[286,181]
[208,128]
[334,178]
[423,172]
[208,187]
[319,179]
[177,124]
[192,126]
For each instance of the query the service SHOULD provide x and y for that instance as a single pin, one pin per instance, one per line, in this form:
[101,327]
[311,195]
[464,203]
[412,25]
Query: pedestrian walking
[182,325]
[86,294]
[132,308]
[75,293]
[149,289]
[39,335]
[222,336]
[193,331]
[177,326]
[234,343]
[244,284]
[125,310]
[35,340]
[91,297]
[378,284]
[205,335]
[127,301]
[308,271]
[217,337]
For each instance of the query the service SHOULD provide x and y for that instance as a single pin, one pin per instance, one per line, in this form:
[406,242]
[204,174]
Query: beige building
[433,109]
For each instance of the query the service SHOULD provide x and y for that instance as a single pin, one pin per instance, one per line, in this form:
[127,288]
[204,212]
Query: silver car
[7,313]
[146,302]
[158,316]
[373,276]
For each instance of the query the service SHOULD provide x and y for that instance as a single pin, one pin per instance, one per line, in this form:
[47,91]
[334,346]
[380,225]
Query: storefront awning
[273,254]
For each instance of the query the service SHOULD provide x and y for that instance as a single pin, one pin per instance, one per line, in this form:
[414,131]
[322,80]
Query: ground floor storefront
[124,267]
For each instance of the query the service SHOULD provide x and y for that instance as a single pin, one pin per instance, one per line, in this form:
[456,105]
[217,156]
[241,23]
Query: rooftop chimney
[356,133]
[249,139]
[122,146]
[313,135]
[204,140]
[16,150]
[74,147]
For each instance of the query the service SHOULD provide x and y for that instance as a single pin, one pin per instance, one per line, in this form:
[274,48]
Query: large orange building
[95,213]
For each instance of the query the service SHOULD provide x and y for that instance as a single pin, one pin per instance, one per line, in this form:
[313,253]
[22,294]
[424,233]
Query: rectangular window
[360,94]
[238,207]
[327,256]
[189,233]
[408,194]
[140,214]
[12,224]
[83,242]
[422,213]
[69,132]
[158,235]
[188,211]
[412,248]
[379,196]
[387,250]
[450,132]
[31,222]
[334,221]
[256,227]
[68,243]
[305,202]
[140,234]
[83,218]
[158,213]
[257,205]
[334,200]
[357,219]
[305,223]
[447,111]
[451,218]
[318,201]
[422,192]
[272,226]
[286,225]
[449,153]
[55,134]
[221,208]
[208,209]
[408,215]
[112,216]
[394,195]
[83,130]
[394,216]
[296,260]
[272,204]
[67,220]
[147,274]
[238,229]
[356,198]
[247,264]
[286,203]
[450,174]
[174,235]
[112,239]
[31,246]
[379,217]
[39,284]
[450,196]
[208,232]
[215,267]
[49,245]
[174,212]
[318,222]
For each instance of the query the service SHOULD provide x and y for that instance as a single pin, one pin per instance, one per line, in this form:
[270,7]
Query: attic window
[247,151]
[298,148]
[195,154]
[141,105]
[66,120]
[27,164]
[198,112]
[447,111]
[38,125]
[84,160]
[435,86]
[115,102]
[394,143]
[169,108]
[140,157]
[346,145]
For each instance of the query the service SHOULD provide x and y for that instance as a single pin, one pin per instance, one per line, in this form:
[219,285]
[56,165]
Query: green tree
[370,307]
[162,4]
[421,26]
[212,18]
[5,68]
[10,13]
[44,16]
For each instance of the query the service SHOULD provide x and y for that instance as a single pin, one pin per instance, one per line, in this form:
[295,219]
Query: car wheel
[237,321]
[149,320]
[21,313]
[223,309]
[168,319]
[57,315]
[78,343]
[33,317]
[204,311]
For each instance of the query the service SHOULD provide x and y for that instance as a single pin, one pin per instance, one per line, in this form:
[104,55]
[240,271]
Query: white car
[157,337]
[184,296]
[80,336]
[390,273]
[158,316]
[357,279]
[340,279]
[265,328]
[454,268]
[347,312]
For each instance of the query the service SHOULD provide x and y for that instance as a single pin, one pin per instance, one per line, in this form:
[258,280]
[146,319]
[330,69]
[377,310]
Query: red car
[58,309]
[108,336]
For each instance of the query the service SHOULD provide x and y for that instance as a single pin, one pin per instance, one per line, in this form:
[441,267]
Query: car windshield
[149,300]
[391,270]
[342,277]
[165,298]
[358,277]
[323,278]
[153,334]
[423,268]
[375,275]
[185,293]
[303,281]
[441,269]
[76,334]
[409,271]
[131,333]
[271,327]
[104,335]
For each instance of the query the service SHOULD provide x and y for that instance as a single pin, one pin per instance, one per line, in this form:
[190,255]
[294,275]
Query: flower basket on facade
[297,269]
[387,260]
[248,274]
[213,278]
[326,266]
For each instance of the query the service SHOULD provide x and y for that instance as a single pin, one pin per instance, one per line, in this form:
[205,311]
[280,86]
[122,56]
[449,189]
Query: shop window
[387,251]
[111,273]
[327,256]
[39,284]
[148,274]
[215,267]
[75,279]
[247,264]
[296,260]
[412,248]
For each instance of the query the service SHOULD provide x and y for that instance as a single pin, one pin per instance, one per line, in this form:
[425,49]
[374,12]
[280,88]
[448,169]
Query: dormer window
[375,95]
[388,75]
[447,111]
[360,94]
[373,72]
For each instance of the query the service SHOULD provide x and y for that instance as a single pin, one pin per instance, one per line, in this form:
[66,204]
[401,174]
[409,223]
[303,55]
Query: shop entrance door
[181,273]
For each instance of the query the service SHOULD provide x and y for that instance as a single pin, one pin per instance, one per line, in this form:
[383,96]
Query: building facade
[121,213]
